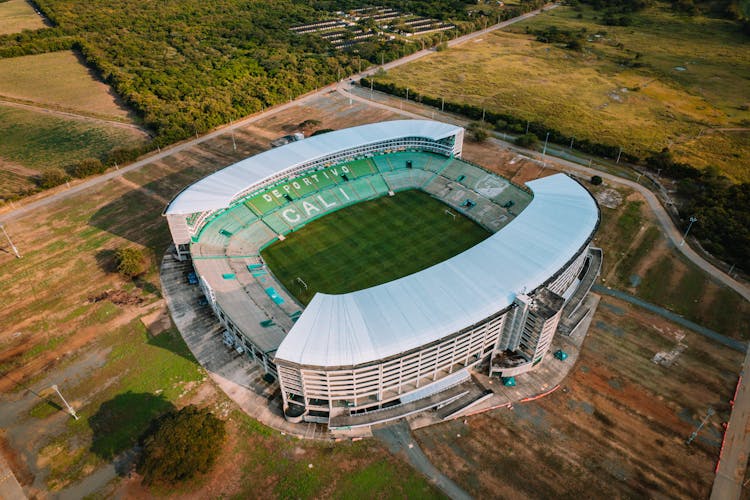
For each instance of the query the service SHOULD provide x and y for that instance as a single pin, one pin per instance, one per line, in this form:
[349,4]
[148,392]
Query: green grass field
[18,15]
[370,243]
[73,87]
[37,141]
[688,92]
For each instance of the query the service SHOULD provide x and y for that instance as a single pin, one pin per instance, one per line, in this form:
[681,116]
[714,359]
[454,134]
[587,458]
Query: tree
[527,140]
[478,131]
[596,180]
[180,444]
[130,262]
[52,177]
[89,166]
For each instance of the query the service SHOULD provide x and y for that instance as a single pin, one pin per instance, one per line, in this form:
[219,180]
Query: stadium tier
[399,347]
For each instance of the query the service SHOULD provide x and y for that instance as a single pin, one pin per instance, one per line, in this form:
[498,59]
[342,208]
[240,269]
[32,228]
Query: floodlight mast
[692,219]
[15,250]
[70,408]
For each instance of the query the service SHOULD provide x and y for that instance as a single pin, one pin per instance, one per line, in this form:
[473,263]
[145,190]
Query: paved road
[29,207]
[398,438]
[730,472]
[737,345]
[672,232]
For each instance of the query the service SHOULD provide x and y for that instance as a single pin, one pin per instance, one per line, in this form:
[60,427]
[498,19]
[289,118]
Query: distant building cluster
[359,25]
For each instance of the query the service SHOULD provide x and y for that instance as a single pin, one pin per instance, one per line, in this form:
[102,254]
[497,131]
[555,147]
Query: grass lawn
[71,87]
[38,140]
[699,110]
[370,243]
[18,15]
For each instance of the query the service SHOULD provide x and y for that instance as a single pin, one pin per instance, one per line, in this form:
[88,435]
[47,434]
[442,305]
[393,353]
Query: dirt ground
[615,405]
[617,427]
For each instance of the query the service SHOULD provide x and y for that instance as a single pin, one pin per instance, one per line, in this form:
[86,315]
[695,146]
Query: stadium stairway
[248,240]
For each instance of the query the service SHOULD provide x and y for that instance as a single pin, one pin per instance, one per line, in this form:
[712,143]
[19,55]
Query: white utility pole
[15,250]
[70,409]
[234,144]
[692,219]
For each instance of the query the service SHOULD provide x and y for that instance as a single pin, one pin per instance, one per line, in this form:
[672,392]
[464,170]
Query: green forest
[186,66]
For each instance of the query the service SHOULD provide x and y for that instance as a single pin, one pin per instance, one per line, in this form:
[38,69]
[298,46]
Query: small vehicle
[192,278]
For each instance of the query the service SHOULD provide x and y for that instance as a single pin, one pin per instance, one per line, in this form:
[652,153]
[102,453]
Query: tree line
[723,207]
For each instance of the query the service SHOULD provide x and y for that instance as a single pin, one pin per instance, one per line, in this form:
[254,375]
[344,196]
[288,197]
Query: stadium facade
[399,347]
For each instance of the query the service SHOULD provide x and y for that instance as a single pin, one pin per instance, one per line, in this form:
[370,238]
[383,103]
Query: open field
[370,243]
[633,245]
[107,354]
[598,94]
[616,428]
[32,141]
[61,81]
[18,15]
[117,352]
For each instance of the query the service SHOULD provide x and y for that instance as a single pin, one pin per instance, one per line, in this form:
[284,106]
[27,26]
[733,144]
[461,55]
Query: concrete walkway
[9,487]
[735,344]
[730,471]
[397,437]
[672,232]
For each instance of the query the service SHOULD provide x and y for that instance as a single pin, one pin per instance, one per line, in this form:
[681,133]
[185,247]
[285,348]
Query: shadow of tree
[119,423]
[106,261]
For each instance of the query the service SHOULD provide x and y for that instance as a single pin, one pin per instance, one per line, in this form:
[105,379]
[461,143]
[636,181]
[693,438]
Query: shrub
[527,140]
[51,178]
[130,262]
[180,444]
[596,180]
[478,131]
[89,166]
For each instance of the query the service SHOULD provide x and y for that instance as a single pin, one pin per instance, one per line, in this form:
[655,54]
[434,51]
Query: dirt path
[397,437]
[70,114]
[30,207]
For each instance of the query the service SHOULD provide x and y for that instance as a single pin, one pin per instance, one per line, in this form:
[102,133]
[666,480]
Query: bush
[51,178]
[527,140]
[130,262]
[596,180]
[180,444]
[478,131]
[89,166]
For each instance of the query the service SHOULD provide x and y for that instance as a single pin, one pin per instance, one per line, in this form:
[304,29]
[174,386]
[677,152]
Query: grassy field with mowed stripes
[370,243]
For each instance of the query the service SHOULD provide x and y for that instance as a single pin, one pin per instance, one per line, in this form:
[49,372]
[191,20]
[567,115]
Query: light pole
[692,219]
[70,409]
[544,150]
[15,250]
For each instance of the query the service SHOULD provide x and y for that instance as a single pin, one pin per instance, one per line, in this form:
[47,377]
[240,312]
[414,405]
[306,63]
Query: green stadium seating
[277,223]
[378,184]
[360,168]
[261,206]
[363,188]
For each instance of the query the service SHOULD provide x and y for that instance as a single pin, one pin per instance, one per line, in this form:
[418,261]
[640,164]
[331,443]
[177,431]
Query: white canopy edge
[395,317]
[221,188]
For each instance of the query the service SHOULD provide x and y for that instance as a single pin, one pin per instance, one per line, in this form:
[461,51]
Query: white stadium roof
[218,190]
[388,319]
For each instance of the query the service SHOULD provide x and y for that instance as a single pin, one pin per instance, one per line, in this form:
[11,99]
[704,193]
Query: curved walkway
[397,437]
[672,232]
[31,206]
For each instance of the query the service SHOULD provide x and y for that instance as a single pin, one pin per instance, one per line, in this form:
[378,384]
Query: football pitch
[370,243]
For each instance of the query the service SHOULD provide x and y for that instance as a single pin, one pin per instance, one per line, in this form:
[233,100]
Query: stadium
[403,345]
